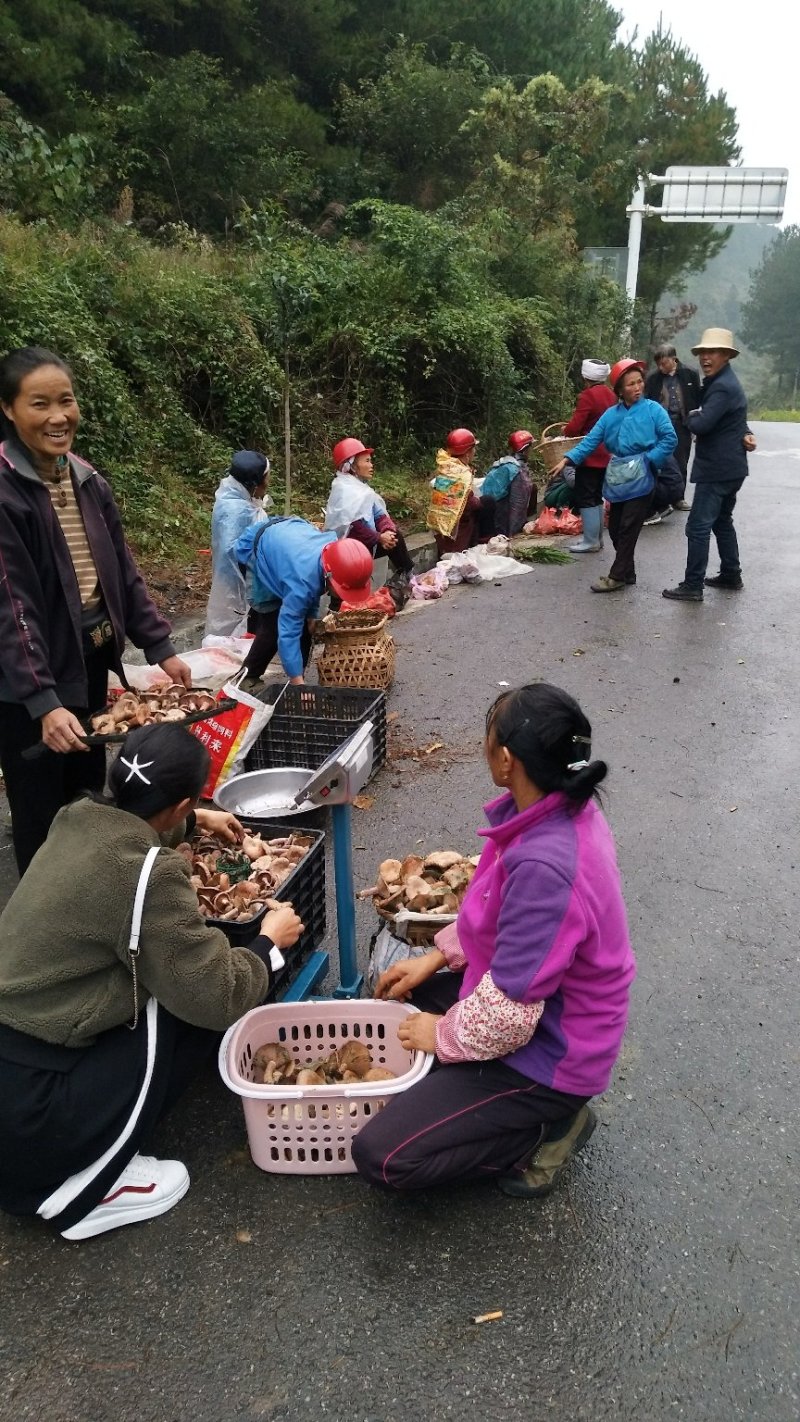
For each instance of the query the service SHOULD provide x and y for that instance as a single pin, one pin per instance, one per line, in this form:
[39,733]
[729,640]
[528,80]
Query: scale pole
[350,980]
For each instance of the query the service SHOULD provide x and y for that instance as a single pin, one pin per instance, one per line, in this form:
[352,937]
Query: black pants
[684,449]
[63,1110]
[265,641]
[588,492]
[624,526]
[399,556]
[470,1121]
[38,789]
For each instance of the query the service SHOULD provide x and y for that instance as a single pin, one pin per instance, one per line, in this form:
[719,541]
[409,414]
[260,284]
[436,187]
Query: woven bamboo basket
[352,629]
[363,664]
[552,449]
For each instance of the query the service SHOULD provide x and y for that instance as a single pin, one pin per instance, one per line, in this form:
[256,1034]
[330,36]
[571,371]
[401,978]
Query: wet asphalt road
[663,1281]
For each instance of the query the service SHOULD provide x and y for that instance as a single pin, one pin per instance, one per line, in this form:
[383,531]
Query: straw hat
[716,338]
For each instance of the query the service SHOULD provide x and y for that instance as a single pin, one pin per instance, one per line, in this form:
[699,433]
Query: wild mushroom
[379,1073]
[442,860]
[354,1056]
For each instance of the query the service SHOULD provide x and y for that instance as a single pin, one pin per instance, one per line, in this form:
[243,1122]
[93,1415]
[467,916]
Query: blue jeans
[712,512]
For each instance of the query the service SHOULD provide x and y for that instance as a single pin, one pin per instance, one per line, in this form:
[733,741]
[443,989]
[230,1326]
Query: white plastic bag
[460,568]
[386,950]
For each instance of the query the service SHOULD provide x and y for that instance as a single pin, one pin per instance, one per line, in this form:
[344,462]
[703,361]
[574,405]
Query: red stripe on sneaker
[129,1190]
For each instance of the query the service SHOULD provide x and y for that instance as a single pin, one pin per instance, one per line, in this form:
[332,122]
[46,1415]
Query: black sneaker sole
[723,587]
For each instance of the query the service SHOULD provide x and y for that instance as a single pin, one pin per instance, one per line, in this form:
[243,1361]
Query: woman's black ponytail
[157,767]
[545,728]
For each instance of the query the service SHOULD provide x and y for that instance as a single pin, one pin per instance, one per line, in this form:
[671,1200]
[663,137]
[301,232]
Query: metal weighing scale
[335,786]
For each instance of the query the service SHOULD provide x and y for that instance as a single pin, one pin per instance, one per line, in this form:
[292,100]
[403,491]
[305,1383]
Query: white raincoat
[351,499]
[234,511]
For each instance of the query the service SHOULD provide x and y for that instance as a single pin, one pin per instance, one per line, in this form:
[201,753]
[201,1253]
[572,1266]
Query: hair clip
[134,768]
[582,741]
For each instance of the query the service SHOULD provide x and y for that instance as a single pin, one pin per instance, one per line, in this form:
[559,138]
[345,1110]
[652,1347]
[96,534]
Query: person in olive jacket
[677,388]
[114,991]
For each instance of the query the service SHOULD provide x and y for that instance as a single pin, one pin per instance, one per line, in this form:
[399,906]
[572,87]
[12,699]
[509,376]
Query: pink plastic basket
[308,1130]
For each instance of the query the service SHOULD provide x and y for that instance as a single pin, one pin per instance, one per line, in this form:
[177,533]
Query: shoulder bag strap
[136,922]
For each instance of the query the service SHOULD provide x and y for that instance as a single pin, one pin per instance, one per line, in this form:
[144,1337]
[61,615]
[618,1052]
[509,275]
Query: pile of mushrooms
[274,1065]
[234,885]
[135,708]
[435,884]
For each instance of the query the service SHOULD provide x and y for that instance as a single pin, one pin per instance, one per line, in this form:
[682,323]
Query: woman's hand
[177,670]
[418,1032]
[283,926]
[221,823]
[749,442]
[559,469]
[402,978]
[63,732]
[388,539]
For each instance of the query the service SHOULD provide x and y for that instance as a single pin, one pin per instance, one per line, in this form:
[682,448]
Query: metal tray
[264,794]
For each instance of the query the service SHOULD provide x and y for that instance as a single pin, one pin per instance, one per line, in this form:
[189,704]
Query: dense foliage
[771,315]
[371,214]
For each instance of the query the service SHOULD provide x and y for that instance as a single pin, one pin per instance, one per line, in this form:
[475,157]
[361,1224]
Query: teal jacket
[643,428]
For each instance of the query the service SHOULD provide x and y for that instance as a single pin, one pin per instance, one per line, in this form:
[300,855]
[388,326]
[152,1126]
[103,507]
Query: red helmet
[460,441]
[348,449]
[622,367]
[519,440]
[348,566]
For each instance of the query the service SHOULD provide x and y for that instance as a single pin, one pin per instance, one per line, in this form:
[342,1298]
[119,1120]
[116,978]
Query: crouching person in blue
[113,992]
[509,484]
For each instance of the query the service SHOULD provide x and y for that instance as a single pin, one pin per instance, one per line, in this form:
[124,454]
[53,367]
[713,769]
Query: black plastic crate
[305,888]
[311,722]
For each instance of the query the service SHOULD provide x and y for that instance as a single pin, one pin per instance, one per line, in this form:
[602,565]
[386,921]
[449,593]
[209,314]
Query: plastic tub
[308,1130]
[311,722]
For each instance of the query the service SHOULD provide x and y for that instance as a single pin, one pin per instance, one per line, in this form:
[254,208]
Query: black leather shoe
[682,593]
[732,584]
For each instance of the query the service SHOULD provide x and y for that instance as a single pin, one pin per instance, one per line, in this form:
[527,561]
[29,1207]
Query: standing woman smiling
[70,595]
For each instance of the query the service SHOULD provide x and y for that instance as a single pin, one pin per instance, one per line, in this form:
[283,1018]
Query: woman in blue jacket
[639,434]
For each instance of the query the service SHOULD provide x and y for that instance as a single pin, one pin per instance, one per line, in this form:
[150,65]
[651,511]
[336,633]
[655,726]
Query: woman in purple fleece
[528,1021]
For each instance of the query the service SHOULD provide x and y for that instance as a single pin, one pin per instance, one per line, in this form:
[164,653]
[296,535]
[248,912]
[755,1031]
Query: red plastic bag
[569,522]
[380,601]
[558,521]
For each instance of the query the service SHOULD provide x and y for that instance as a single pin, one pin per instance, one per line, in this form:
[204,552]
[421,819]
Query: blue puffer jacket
[643,428]
[286,569]
[720,426]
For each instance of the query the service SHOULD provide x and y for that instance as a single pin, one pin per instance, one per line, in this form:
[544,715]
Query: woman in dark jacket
[677,388]
[71,595]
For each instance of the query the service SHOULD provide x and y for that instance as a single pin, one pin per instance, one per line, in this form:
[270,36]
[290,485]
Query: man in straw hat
[723,441]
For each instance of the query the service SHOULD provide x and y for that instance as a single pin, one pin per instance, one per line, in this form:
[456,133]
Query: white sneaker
[655,519]
[146,1188]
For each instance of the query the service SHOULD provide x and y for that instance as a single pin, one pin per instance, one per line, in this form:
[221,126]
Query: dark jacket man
[719,427]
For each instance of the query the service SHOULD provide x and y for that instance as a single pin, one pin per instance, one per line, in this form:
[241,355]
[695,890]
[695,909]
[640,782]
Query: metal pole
[636,212]
[350,980]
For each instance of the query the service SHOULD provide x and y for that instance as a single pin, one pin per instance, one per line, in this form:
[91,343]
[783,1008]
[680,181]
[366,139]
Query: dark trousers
[712,512]
[265,641]
[64,1108]
[37,789]
[399,556]
[588,491]
[624,526]
[684,449]
[473,1120]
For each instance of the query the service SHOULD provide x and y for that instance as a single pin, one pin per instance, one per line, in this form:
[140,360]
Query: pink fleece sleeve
[446,940]
[485,1025]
